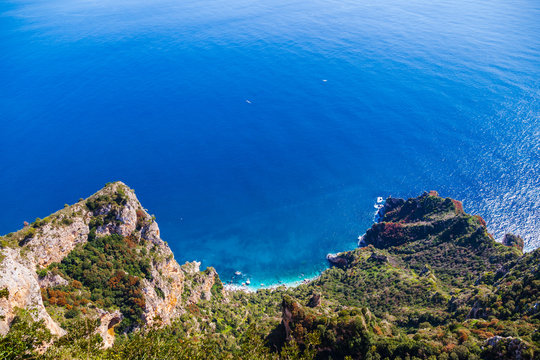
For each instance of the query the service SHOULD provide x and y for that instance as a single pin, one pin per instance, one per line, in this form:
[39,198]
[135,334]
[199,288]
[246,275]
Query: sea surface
[260,133]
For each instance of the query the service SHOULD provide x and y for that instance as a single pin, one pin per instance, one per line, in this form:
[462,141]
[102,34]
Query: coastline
[290,283]
[286,285]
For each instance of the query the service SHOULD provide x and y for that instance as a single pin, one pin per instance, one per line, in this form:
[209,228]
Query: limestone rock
[378,258]
[506,347]
[202,286]
[513,240]
[163,295]
[20,280]
[54,241]
[336,260]
[191,268]
[106,328]
[51,280]
[114,209]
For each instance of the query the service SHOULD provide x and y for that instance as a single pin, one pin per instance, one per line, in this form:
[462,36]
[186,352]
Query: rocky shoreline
[427,271]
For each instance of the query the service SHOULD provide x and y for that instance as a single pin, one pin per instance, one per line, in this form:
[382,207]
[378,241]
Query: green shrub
[110,268]
[71,313]
[67,221]
[24,337]
[159,292]
[4,293]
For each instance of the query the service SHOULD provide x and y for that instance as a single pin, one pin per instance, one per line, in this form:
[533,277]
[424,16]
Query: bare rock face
[151,233]
[337,260]
[163,294]
[202,286]
[114,209]
[513,348]
[378,258]
[51,280]
[54,240]
[21,283]
[124,211]
[191,268]
[513,240]
[106,327]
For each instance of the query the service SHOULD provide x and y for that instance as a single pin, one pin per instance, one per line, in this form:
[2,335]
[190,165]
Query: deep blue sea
[261,132]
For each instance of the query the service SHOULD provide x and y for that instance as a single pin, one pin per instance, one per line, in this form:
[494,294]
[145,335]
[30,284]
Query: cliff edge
[102,256]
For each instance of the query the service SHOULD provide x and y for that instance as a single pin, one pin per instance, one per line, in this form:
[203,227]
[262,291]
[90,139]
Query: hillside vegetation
[428,282]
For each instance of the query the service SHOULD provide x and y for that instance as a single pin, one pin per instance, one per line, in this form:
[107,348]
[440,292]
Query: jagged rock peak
[112,218]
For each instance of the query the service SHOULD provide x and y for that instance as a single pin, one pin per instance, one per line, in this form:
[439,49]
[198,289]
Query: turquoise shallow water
[218,114]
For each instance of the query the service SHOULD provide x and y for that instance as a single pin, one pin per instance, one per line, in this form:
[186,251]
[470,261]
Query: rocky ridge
[427,281]
[115,209]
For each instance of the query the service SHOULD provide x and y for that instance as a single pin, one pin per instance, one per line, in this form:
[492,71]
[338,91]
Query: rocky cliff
[427,282]
[38,263]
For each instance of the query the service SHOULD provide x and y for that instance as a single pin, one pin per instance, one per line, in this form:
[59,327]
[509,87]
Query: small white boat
[237,273]
[378,206]
[249,102]
[248,282]
[380,199]
[243,284]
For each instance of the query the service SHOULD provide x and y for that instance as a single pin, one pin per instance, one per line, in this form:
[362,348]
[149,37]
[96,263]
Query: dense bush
[110,268]
[24,337]
[432,284]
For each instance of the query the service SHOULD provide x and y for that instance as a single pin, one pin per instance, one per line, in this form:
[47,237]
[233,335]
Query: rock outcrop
[513,240]
[113,210]
[51,280]
[427,281]
[297,321]
[108,321]
[336,260]
[499,347]
[315,300]
[19,283]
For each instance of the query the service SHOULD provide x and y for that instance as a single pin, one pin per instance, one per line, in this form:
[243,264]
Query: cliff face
[60,245]
[428,270]
[428,281]
[19,281]
[435,231]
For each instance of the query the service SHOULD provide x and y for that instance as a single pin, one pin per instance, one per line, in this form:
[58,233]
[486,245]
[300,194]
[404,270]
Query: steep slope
[422,252]
[19,289]
[102,258]
[428,281]
[435,231]
[439,279]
